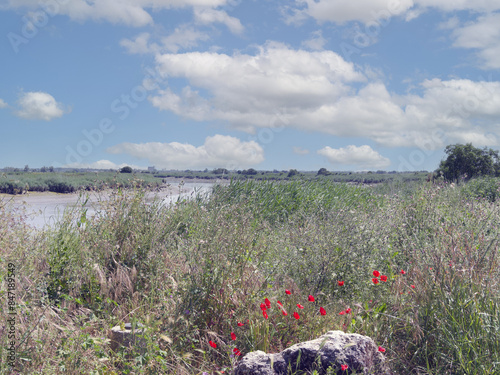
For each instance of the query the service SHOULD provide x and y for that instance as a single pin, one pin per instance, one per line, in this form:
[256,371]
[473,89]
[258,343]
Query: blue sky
[195,84]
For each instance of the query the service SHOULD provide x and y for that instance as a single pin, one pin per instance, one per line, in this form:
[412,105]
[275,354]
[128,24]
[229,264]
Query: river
[45,209]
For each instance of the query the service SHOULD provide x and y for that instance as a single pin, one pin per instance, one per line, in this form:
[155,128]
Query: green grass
[192,271]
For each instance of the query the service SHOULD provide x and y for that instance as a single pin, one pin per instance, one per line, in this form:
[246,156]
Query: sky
[237,84]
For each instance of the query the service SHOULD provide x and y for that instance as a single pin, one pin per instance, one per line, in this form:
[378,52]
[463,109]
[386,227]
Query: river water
[45,209]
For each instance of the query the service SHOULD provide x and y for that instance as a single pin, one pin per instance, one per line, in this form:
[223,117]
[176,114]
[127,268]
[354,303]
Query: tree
[292,172]
[323,172]
[250,171]
[468,161]
[126,169]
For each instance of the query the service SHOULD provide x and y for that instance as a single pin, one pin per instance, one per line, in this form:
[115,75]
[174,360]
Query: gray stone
[333,349]
[128,337]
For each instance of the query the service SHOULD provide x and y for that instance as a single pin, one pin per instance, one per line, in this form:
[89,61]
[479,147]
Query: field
[198,271]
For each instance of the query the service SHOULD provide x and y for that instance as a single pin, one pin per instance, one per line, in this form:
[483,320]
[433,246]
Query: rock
[333,349]
[128,337]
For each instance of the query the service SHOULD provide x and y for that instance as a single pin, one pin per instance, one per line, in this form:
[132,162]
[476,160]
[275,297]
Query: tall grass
[191,271]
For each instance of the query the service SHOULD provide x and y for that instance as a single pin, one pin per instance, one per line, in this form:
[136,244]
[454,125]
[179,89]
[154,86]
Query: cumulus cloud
[131,13]
[482,35]
[363,157]
[207,16]
[101,164]
[316,42]
[139,45]
[39,106]
[3,104]
[217,151]
[300,151]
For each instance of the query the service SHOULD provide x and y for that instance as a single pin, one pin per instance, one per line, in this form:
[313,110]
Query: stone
[128,337]
[331,350]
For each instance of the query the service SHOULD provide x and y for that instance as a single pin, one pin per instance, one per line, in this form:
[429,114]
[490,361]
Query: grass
[191,272]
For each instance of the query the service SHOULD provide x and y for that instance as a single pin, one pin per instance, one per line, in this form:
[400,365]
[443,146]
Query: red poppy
[265,314]
[236,351]
[240,324]
[376,273]
[233,335]
[413,286]
[380,349]
[284,312]
[342,313]
[300,306]
[268,303]
[287,291]
[344,367]
[322,311]
[348,311]
[340,283]
[296,315]
[383,278]
[311,298]
[263,306]
[279,303]
[375,280]
[212,344]
[402,272]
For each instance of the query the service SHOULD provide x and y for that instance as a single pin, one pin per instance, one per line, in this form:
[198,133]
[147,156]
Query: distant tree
[323,172]
[51,169]
[250,171]
[220,171]
[26,168]
[468,161]
[126,169]
[292,172]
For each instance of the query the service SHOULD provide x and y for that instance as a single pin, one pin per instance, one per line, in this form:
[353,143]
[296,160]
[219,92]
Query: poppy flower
[279,303]
[340,283]
[413,286]
[264,314]
[376,273]
[263,306]
[233,335]
[344,367]
[375,280]
[381,350]
[212,344]
[310,298]
[322,311]
[402,272]
[240,324]
[284,312]
[342,313]
[236,351]
[383,278]
[268,303]
[296,315]
[348,311]
[300,306]
[287,291]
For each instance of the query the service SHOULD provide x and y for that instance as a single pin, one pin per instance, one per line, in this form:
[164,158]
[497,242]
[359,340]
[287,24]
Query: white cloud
[207,16]
[3,104]
[102,164]
[139,45]
[316,42]
[483,35]
[39,106]
[217,151]
[132,13]
[300,151]
[183,37]
[363,157]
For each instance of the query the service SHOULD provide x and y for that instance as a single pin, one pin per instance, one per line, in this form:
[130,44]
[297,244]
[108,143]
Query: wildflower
[340,283]
[383,278]
[381,350]
[212,344]
[348,310]
[311,298]
[322,311]
[402,272]
[376,273]
[296,315]
[413,286]
[300,306]
[233,336]
[268,303]
[263,306]
[375,280]
[344,367]
[284,312]
[264,314]
[279,303]
[342,313]
[287,291]
[236,351]
[240,324]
